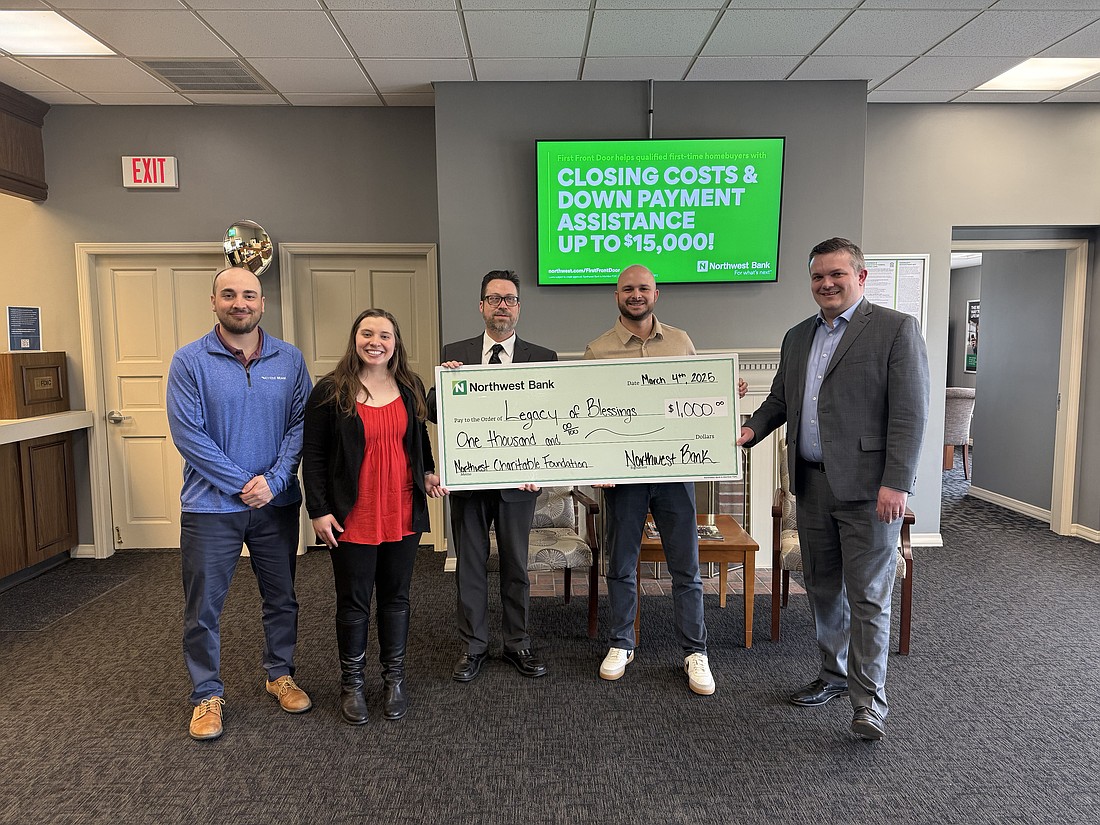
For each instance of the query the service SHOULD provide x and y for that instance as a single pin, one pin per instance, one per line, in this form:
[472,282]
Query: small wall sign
[149,172]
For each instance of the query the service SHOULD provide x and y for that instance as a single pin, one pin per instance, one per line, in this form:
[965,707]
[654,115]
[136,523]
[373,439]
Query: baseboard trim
[1021,507]
[86,551]
[927,539]
[1086,533]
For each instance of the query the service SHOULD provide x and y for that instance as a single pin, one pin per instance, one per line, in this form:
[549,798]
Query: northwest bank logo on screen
[754,266]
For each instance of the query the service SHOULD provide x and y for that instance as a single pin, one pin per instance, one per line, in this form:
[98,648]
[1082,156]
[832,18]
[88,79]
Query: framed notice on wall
[899,282]
[972,311]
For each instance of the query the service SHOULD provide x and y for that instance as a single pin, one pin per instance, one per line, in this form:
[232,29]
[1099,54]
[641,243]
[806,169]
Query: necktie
[494,353]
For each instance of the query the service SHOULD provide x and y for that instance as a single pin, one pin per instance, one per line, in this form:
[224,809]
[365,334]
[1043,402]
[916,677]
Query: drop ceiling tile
[313,75]
[414,76]
[893,32]
[252,5]
[152,33]
[410,100]
[1076,97]
[402,33]
[24,79]
[526,33]
[96,74]
[914,97]
[664,33]
[392,5]
[946,73]
[853,67]
[634,68]
[478,5]
[1082,43]
[658,4]
[742,68]
[63,99]
[110,99]
[282,34]
[1047,5]
[1019,33]
[334,100]
[517,68]
[959,5]
[764,32]
[65,5]
[1003,97]
[800,4]
[237,100]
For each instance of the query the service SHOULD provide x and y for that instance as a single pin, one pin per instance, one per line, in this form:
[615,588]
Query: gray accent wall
[931,167]
[485,146]
[1015,409]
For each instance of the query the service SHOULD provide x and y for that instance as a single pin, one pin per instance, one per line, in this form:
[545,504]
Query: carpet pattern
[995,715]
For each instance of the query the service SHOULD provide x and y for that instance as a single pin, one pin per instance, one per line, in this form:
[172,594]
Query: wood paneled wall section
[22,162]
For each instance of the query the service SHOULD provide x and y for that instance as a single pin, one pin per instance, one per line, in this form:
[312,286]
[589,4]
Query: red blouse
[383,507]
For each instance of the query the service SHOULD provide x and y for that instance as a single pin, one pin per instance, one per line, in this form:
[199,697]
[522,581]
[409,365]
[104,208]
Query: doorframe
[87,293]
[289,252]
[1071,359]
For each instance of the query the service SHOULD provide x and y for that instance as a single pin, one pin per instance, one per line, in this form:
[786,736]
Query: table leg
[750,588]
[722,583]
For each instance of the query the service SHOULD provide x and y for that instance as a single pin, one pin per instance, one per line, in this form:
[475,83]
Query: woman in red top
[368,471]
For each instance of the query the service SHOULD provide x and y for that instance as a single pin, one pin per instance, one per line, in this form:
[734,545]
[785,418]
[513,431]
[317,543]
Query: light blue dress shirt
[824,345]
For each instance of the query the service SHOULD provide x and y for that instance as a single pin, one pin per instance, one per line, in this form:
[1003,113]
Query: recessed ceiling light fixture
[45,33]
[1044,74]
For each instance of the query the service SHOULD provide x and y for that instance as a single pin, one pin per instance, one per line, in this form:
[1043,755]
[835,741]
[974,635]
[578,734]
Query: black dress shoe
[868,724]
[468,666]
[526,662]
[817,693]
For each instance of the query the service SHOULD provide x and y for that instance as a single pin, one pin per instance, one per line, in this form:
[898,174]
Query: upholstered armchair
[958,409]
[556,543]
[787,554]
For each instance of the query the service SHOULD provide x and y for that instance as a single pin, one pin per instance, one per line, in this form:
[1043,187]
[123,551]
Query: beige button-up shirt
[619,342]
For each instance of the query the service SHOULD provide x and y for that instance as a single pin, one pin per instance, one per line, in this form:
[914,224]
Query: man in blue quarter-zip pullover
[236,401]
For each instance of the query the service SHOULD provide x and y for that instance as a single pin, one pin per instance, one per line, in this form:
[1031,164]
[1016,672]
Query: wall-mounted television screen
[693,211]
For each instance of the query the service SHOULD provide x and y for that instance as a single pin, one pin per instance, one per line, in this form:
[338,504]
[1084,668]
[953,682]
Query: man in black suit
[509,510]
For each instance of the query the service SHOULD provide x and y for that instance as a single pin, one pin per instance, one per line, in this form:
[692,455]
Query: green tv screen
[692,211]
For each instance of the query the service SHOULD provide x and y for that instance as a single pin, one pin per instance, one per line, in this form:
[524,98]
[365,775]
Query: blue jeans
[210,545]
[673,507]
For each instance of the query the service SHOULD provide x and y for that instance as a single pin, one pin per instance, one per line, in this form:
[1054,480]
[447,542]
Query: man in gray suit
[852,388]
[509,511]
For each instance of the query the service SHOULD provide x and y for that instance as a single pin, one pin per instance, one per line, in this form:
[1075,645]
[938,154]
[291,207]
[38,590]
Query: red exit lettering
[148,170]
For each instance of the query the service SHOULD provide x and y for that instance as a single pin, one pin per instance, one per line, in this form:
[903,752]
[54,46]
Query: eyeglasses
[495,300]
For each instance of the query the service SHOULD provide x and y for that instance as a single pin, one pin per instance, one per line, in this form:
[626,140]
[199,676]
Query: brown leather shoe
[291,698]
[206,719]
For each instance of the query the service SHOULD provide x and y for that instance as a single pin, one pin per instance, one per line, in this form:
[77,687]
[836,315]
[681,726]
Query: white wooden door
[149,306]
[330,290]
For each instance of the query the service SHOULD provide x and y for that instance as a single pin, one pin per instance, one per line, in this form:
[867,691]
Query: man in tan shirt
[638,334]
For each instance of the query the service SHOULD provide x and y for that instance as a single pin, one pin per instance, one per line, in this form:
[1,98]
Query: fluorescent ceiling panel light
[1044,74]
[37,33]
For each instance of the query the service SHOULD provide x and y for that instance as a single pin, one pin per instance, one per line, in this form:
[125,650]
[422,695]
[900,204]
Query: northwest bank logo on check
[463,387]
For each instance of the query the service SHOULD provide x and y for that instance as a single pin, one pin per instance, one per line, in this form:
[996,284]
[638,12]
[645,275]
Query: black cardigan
[332,454]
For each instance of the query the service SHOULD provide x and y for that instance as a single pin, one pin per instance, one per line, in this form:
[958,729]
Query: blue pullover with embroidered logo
[231,424]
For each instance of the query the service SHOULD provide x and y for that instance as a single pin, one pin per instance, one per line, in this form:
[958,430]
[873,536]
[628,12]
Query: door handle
[115,417]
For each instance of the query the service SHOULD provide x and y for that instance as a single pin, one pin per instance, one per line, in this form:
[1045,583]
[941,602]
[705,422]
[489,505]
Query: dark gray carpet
[996,714]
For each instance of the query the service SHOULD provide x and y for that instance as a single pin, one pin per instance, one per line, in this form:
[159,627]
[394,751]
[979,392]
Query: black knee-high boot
[351,638]
[393,633]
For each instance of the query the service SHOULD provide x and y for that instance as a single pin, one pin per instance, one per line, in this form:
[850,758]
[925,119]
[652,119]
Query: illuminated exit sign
[149,173]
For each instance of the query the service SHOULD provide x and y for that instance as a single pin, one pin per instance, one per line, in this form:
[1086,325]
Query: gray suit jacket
[873,406]
[469,352]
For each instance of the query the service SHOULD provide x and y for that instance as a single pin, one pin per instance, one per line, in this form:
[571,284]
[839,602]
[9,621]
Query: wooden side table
[736,546]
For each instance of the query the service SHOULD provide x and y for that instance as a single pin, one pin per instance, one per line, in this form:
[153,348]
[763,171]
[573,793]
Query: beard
[496,323]
[240,326]
[635,312]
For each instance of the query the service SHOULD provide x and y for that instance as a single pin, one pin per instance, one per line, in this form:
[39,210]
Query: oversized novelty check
[560,423]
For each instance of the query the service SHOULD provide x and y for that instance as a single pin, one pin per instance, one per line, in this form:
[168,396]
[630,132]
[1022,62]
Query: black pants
[359,569]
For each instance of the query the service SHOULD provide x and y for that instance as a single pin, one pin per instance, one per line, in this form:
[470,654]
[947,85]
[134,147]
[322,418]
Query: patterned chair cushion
[554,542]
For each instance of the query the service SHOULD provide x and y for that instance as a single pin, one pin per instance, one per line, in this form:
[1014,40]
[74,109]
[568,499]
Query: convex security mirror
[248,246]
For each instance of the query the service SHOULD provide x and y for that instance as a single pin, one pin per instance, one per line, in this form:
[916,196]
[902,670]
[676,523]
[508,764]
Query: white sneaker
[697,667]
[615,662]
